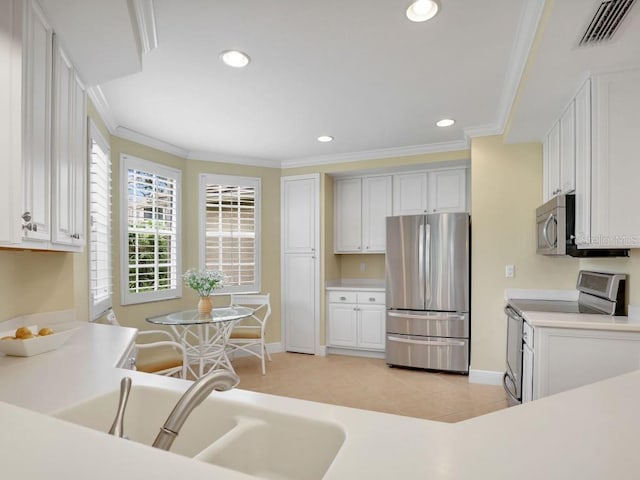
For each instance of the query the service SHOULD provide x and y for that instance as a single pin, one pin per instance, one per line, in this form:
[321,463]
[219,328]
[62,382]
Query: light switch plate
[509,271]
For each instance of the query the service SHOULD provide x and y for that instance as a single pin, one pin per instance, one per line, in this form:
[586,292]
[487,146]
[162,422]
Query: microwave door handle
[545,231]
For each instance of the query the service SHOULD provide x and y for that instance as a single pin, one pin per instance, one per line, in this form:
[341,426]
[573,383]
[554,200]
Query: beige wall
[34,282]
[506,188]
[350,266]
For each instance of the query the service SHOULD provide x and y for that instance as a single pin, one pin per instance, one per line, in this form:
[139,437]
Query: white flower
[203,281]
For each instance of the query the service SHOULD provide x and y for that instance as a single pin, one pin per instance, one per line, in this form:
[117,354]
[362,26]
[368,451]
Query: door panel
[437,324]
[447,286]
[404,262]
[299,306]
[428,352]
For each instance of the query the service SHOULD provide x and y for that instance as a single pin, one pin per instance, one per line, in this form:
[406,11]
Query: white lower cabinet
[356,320]
[565,358]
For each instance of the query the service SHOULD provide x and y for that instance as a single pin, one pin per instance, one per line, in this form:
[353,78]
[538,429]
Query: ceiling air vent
[606,21]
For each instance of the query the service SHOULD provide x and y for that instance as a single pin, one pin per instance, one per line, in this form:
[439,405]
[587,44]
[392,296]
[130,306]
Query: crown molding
[483,131]
[235,159]
[102,106]
[525,36]
[144,24]
[375,154]
[142,139]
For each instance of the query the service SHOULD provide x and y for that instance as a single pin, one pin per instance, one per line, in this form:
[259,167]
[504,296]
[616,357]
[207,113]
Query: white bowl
[37,345]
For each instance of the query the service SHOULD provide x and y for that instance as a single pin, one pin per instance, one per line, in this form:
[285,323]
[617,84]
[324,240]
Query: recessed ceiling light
[235,58]
[445,122]
[422,10]
[325,138]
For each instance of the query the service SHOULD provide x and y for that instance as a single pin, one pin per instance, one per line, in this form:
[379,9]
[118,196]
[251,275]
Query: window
[100,266]
[150,240]
[230,230]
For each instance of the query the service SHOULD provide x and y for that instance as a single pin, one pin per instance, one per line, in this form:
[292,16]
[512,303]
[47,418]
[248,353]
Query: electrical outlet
[509,271]
[363,267]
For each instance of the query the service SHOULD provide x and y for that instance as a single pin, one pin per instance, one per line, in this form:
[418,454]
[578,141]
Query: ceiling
[358,71]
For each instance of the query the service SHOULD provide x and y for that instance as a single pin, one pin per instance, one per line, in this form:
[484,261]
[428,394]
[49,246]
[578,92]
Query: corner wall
[506,188]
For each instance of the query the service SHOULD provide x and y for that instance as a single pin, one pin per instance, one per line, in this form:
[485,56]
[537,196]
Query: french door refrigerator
[427,291]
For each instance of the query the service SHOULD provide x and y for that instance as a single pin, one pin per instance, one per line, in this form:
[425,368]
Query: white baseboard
[486,377]
[354,353]
[321,350]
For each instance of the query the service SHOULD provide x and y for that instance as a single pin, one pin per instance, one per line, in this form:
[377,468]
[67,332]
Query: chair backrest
[260,303]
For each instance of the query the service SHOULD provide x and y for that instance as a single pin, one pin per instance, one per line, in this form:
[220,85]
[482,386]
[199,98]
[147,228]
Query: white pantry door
[300,262]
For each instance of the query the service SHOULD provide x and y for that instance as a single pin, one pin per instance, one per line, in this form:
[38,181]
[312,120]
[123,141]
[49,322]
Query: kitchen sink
[233,435]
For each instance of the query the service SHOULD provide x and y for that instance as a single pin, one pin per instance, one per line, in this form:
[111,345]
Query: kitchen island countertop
[587,433]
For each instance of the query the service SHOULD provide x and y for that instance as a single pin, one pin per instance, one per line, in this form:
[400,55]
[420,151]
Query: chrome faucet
[117,428]
[219,380]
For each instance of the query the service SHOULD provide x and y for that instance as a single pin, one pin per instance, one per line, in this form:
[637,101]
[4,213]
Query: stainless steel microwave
[555,231]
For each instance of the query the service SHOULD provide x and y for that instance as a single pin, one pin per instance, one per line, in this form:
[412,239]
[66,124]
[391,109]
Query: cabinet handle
[343,298]
[372,299]
[367,248]
[32,227]
[75,236]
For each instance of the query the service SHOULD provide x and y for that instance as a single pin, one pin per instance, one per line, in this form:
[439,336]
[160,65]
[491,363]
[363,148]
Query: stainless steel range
[598,293]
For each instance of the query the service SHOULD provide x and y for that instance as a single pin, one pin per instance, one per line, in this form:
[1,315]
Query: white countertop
[367,284]
[587,433]
[584,321]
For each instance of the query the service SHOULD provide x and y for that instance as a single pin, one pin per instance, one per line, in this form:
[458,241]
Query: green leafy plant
[203,281]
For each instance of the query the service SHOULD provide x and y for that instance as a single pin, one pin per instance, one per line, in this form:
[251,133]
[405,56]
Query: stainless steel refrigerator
[427,291]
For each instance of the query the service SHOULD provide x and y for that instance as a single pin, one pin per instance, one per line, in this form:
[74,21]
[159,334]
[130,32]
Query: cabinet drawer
[342,297]
[373,298]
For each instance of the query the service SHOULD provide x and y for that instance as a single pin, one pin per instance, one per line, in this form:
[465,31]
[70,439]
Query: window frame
[256,182]
[127,162]
[97,309]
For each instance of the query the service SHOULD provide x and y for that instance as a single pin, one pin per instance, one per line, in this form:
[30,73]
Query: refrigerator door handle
[421,271]
[427,260]
[452,316]
[435,343]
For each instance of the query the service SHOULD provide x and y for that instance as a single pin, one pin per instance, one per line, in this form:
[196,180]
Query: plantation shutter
[232,230]
[100,266]
[152,231]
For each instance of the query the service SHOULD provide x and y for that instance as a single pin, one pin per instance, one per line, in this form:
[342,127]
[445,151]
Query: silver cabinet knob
[32,227]
[372,299]
[343,298]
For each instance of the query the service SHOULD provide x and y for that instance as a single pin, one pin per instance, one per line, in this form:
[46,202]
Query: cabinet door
[299,205]
[63,182]
[342,325]
[410,193]
[615,169]
[348,215]
[527,373]
[79,163]
[376,207]
[11,121]
[371,327]
[568,150]
[36,157]
[299,302]
[583,164]
[552,162]
[448,191]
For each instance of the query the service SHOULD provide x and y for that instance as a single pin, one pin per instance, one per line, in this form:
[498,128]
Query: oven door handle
[507,389]
[545,231]
[434,343]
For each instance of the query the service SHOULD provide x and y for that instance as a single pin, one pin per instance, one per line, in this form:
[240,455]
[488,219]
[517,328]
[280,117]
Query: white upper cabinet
[615,168]
[447,191]
[560,155]
[376,207]
[35,134]
[361,207]
[583,164]
[410,193]
[36,153]
[69,154]
[348,215]
[299,217]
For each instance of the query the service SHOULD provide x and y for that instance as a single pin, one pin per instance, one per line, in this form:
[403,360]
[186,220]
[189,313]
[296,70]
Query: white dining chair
[162,357]
[248,334]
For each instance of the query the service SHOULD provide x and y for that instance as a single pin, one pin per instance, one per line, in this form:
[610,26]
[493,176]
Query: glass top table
[204,337]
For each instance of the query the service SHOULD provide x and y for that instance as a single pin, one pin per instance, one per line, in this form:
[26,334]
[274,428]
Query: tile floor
[371,385]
